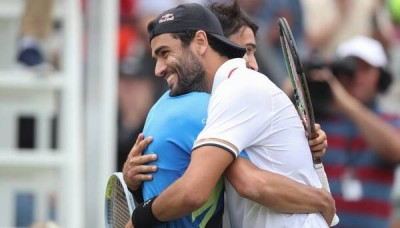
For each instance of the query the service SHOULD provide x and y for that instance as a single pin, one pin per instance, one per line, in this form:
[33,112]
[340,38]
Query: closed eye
[161,52]
[250,49]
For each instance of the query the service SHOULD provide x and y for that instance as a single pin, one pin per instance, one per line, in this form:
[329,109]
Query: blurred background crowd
[350,50]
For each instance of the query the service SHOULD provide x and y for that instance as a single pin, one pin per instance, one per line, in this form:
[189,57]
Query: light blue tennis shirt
[174,123]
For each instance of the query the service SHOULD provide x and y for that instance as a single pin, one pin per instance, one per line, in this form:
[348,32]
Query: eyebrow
[253,45]
[158,50]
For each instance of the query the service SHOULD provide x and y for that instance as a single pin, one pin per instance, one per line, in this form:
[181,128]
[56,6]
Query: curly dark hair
[232,18]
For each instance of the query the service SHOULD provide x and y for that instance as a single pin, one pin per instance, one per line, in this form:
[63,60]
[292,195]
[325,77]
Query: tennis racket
[301,95]
[119,203]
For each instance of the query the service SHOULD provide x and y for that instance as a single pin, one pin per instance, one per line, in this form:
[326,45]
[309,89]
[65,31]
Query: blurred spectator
[328,23]
[364,145]
[36,26]
[269,52]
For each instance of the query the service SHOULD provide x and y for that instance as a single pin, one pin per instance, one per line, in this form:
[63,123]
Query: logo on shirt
[204,121]
[166,17]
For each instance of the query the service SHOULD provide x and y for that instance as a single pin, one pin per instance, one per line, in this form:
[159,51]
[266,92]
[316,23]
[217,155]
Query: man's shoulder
[188,110]
[245,84]
[249,79]
[192,99]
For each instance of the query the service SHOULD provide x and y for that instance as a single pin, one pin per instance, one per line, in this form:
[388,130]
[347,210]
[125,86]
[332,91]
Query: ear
[200,42]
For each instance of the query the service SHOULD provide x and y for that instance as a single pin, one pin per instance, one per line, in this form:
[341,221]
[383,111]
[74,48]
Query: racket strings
[120,209]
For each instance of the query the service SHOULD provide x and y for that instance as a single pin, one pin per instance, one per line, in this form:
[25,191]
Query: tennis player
[191,62]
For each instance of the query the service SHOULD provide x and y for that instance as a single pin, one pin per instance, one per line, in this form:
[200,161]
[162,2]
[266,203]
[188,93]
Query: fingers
[141,160]
[129,224]
[135,176]
[136,170]
[139,138]
[319,144]
[144,169]
[318,154]
[135,179]
[139,164]
[140,145]
[321,138]
[329,209]
[319,150]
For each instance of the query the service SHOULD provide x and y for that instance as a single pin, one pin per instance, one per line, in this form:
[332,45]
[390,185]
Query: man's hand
[343,100]
[329,209]
[319,144]
[129,224]
[135,170]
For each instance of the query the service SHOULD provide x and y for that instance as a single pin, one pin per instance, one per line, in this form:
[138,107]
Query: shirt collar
[225,69]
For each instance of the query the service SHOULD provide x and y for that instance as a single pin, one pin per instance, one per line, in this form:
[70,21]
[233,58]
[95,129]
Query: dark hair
[232,18]
[151,25]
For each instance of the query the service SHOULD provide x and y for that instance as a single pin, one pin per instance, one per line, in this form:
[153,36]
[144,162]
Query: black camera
[320,92]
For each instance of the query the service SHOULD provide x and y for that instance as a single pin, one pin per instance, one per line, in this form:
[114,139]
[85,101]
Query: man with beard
[185,73]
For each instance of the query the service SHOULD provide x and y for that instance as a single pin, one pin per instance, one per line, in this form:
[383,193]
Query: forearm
[379,135]
[177,200]
[275,191]
[194,188]
[287,196]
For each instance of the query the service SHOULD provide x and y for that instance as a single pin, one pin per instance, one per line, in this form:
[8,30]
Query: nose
[160,68]
[251,63]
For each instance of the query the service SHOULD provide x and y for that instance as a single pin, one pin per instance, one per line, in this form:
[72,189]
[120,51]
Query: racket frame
[288,44]
[114,179]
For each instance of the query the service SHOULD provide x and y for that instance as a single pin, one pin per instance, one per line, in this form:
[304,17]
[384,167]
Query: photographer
[364,145]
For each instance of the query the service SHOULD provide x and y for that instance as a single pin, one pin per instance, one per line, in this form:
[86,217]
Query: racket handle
[319,168]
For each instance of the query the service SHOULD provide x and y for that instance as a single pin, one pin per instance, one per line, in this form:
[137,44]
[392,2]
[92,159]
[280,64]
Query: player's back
[251,113]
[174,123]
[281,148]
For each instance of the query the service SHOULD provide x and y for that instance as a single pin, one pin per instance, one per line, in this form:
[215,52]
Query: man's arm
[379,135]
[278,192]
[190,191]
[193,189]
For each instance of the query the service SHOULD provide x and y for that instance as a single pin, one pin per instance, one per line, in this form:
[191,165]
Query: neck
[213,62]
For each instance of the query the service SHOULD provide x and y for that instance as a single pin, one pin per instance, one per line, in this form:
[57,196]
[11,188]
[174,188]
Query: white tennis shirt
[248,112]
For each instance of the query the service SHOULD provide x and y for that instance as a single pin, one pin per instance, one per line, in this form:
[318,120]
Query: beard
[191,75]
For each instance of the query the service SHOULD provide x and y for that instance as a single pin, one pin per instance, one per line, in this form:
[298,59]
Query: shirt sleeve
[236,116]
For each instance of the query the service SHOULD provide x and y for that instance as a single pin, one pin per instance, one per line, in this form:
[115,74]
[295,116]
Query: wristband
[143,217]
